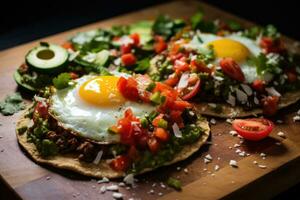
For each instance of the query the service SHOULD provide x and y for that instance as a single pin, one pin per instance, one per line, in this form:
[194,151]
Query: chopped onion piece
[273,92]
[98,157]
[129,179]
[184,80]
[176,131]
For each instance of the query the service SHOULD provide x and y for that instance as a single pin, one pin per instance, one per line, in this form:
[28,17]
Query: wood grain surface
[200,181]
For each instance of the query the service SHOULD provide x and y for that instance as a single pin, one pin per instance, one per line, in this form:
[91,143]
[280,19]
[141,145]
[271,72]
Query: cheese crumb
[233,133]
[217,167]
[213,121]
[296,118]
[233,163]
[281,134]
[117,195]
[262,166]
[112,188]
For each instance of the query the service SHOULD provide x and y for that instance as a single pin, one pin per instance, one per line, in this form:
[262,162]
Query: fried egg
[235,46]
[92,106]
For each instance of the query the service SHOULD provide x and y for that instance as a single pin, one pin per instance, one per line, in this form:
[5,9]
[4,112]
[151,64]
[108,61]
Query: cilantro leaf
[174,183]
[265,64]
[233,25]
[142,65]
[271,31]
[196,19]
[62,80]
[166,26]
[12,104]
[198,22]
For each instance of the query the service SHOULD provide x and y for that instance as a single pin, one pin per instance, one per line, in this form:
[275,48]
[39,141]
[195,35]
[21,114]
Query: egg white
[248,69]
[90,121]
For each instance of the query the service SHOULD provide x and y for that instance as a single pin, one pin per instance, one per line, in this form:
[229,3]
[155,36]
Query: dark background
[22,22]
[28,20]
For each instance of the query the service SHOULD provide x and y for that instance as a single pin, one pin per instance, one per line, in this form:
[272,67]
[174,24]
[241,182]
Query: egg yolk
[101,91]
[225,48]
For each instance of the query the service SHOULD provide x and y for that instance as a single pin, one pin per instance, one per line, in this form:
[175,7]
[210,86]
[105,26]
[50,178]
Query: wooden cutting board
[200,181]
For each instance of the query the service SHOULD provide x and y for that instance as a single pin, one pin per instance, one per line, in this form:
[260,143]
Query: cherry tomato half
[253,129]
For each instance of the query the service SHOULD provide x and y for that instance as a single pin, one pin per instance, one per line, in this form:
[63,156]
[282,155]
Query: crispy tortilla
[71,162]
[228,111]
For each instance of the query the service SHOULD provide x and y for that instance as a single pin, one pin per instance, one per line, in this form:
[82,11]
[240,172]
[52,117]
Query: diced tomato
[125,127]
[200,66]
[161,134]
[160,87]
[180,66]
[128,88]
[159,44]
[156,119]
[181,105]
[121,163]
[177,56]
[193,92]
[232,69]
[253,129]
[172,80]
[125,48]
[73,75]
[270,105]
[175,48]
[128,59]
[136,39]
[41,109]
[125,131]
[271,45]
[258,85]
[68,45]
[153,144]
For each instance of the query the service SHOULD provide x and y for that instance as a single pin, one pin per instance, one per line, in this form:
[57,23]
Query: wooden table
[31,181]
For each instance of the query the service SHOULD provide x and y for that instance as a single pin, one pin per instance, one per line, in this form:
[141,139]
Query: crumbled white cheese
[296,118]
[281,134]
[117,195]
[129,179]
[255,162]
[103,189]
[186,170]
[241,96]
[236,145]
[247,89]
[151,192]
[242,154]
[103,180]
[176,131]
[279,121]
[184,80]
[273,92]
[206,161]
[98,157]
[262,155]
[208,156]
[217,167]
[231,100]
[262,166]
[233,133]
[213,121]
[233,163]
[229,121]
[112,188]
